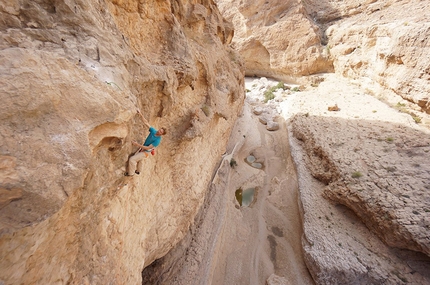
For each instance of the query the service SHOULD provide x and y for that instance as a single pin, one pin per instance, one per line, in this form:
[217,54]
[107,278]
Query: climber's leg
[140,164]
[134,161]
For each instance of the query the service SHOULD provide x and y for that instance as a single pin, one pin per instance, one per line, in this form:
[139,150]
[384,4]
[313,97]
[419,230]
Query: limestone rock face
[386,47]
[363,174]
[73,74]
[277,38]
[386,194]
[383,44]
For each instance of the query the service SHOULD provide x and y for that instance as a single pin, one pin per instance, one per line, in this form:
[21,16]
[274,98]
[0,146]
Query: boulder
[272,126]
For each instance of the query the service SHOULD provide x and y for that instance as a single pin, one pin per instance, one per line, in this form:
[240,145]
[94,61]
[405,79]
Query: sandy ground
[230,244]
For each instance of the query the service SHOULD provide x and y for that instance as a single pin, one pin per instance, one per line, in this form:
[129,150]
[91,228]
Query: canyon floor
[262,240]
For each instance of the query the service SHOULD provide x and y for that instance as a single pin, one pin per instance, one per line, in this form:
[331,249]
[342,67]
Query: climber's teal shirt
[152,138]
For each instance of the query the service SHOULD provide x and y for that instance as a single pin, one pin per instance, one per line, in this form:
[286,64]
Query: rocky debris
[276,280]
[333,108]
[264,119]
[272,126]
[258,110]
[268,110]
[424,104]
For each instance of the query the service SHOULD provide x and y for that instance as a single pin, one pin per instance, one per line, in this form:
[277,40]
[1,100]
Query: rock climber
[151,142]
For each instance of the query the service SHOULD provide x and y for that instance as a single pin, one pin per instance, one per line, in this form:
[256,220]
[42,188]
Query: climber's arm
[145,122]
[142,146]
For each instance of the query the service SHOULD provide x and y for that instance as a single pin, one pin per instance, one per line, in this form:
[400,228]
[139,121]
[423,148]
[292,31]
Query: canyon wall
[383,45]
[382,49]
[277,38]
[73,73]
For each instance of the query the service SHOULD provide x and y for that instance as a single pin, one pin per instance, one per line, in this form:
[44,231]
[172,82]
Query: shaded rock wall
[277,38]
[73,74]
[385,48]
[381,44]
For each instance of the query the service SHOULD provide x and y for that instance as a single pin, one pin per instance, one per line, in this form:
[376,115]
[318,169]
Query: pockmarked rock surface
[363,179]
[382,44]
[277,38]
[73,74]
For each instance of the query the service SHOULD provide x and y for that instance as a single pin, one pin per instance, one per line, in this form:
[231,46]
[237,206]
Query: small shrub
[296,89]
[389,139]
[233,163]
[206,110]
[390,168]
[356,174]
[416,119]
[268,95]
[280,85]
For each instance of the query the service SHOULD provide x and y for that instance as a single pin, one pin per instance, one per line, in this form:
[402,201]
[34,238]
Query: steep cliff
[73,74]
[277,38]
[382,44]
[365,168]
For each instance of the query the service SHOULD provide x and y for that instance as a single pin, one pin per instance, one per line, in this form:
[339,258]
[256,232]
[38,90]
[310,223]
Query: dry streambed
[249,230]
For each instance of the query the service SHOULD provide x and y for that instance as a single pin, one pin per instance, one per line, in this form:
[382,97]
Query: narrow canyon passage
[234,244]
[264,238]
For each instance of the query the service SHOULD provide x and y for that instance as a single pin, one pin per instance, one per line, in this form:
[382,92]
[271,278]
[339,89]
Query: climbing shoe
[137,172]
[126,174]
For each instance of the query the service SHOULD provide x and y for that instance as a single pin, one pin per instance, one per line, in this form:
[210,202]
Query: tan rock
[388,51]
[258,110]
[381,44]
[362,176]
[73,75]
[266,35]
[9,195]
[272,126]
[276,280]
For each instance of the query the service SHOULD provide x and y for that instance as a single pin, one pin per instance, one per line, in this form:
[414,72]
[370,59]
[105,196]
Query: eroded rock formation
[383,47]
[73,74]
[382,44]
[277,38]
